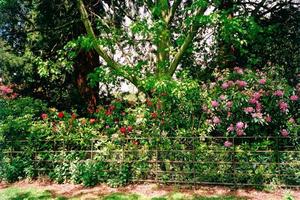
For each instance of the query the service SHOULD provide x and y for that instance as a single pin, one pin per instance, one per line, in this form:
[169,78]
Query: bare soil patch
[151,190]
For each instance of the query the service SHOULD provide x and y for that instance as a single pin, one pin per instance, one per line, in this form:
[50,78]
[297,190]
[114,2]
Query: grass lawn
[15,193]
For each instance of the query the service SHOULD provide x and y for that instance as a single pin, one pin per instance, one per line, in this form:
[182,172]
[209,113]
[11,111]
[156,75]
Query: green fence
[247,161]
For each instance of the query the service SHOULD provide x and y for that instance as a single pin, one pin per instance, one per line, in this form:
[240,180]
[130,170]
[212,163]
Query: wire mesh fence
[247,161]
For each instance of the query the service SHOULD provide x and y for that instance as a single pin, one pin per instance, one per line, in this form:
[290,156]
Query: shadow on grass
[177,196]
[29,195]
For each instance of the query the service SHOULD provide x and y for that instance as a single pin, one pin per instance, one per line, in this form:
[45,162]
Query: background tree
[144,42]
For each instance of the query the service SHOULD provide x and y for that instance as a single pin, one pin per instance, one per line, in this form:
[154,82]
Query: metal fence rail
[250,161]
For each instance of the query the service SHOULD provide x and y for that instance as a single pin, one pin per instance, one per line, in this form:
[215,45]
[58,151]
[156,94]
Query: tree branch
[172,11]
[188,40]
[102,53]
[89,28]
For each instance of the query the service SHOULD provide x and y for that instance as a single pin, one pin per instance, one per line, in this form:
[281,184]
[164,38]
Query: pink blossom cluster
[283,106]
[284,133]
[227,143]
[214,103]
[262,81]
[240,83]
[249,109]
[268,118]
[227,84]
[294,98]
[5,90]
[216,120]
[239,128]
[229,104]
[238,70]
[278,93]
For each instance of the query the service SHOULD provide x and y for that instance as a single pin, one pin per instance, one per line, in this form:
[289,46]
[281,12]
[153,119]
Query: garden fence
[248,161]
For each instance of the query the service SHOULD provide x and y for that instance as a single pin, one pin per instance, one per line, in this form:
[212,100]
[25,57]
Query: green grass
[14,193]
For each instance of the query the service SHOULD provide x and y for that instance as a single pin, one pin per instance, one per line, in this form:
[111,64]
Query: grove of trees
[209,68]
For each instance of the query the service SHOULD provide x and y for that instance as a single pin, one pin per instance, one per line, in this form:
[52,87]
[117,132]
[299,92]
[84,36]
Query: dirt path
[151,190]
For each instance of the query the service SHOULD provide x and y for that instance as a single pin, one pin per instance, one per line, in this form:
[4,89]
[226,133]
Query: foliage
[201,69]
[260,103]
[122,140]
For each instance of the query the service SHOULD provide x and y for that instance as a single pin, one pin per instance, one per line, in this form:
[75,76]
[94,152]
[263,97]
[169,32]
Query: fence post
[92,148]
[234,164]
[277,167]
[156,160]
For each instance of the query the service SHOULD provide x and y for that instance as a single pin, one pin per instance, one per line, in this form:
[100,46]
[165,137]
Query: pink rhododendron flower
[284,133]
[204,108]
[257,115]
[239,125]
[283,106]
[291,120]
[258,107]
[241,83]
[238,70]
[225,85]
[230,128]
[214,103]
[253,101]
[256,95]
[222,97]
[107,127]
[44,116]
[14,95]
[278,93]
[227,144]
[268,118]
[5,89]
[228,114]
[249,109]
[240,132]
[262,81]
[294,98]
[229,104]
[216,120]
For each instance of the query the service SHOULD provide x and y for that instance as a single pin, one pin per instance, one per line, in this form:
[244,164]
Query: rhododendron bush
[198,125]
[252,103]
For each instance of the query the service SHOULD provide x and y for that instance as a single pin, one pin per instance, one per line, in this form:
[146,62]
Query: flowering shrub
[252,103]
[134,130]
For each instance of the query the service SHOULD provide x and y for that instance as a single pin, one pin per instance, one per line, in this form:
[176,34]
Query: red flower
[73,116]
[154,115]
[149,103]
[111,107]
[108,112]
[60,115]
[135,142]
[129,128]
[123,130]
[92,121]
[44,116]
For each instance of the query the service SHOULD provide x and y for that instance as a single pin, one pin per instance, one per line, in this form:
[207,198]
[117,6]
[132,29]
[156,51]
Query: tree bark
[85,63]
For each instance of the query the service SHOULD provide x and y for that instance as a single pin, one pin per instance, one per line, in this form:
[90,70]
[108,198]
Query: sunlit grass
[14,193]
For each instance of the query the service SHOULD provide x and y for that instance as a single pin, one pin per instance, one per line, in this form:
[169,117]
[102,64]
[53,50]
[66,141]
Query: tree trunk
[85,63]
